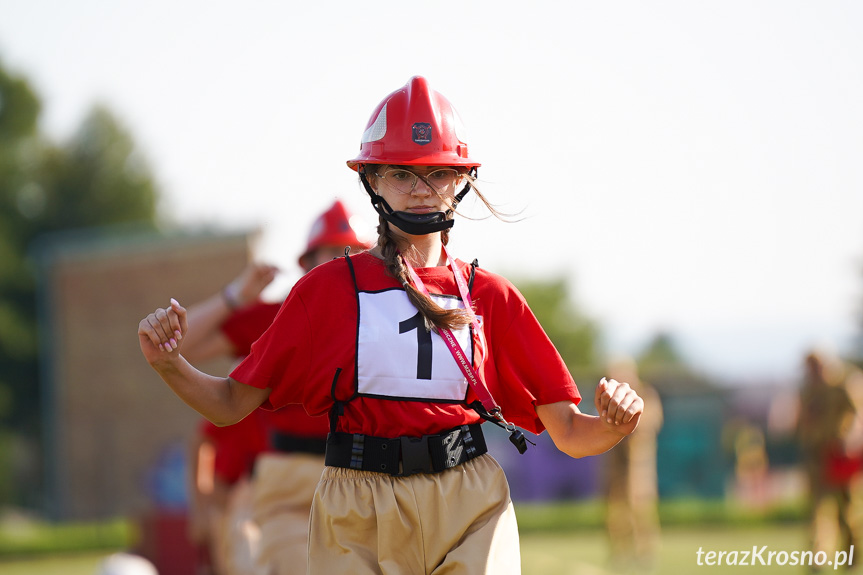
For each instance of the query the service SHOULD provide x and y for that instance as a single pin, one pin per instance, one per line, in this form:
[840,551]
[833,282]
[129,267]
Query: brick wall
[114,432]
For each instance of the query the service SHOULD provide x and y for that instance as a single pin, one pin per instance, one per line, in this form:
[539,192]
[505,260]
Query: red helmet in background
[335,227]
[414,126]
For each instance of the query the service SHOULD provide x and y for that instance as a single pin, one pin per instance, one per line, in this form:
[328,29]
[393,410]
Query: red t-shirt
[237,446]
[243,328]
[327,336]
[246,324]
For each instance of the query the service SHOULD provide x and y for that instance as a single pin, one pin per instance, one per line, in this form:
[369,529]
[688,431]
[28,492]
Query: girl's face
[416,189]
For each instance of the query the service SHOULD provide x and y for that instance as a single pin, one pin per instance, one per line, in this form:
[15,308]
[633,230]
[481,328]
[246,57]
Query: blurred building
[690,457]
[691,460]
[113,433]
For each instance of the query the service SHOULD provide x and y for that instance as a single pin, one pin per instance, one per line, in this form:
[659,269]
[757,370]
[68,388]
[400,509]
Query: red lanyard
[464,364]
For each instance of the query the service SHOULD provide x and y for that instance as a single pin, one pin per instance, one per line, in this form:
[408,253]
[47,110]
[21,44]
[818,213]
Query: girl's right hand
[161,332]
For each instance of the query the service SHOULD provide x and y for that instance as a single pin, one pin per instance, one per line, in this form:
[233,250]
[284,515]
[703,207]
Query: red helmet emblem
[421,133]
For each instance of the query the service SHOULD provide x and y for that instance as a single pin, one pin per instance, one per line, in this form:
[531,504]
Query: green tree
[574,335]
[96,178]
[661,352]
[663,364]
[19,112]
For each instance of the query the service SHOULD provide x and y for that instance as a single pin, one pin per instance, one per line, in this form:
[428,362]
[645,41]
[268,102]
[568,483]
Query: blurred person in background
[630,481]
[222,458]
[254,480]
[830,438]
[748,445]
[220,514]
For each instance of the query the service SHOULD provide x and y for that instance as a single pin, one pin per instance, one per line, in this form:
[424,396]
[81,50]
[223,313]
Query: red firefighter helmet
[335,227]
[414,126]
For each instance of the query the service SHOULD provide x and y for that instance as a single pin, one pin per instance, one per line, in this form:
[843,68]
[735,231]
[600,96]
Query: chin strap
[414,224]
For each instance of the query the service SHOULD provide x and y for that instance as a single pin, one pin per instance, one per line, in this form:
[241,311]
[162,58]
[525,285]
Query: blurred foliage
[575,336]
[663,365]
[578,338]
[96,178]
[661,352]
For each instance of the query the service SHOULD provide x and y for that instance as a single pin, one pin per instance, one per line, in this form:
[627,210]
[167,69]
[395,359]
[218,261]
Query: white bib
[398,358]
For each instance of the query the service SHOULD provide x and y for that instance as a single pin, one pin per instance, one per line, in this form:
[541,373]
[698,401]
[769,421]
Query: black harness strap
[287,443]
[338,408]
[473,265]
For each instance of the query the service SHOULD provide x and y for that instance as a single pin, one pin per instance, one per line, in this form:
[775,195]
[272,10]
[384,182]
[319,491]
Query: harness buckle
[416,457]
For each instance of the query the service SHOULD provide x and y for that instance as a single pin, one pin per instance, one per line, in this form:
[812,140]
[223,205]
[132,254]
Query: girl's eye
[443,175]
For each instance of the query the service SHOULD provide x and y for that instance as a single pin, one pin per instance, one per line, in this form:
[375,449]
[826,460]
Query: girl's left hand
[160,332]
[618,405]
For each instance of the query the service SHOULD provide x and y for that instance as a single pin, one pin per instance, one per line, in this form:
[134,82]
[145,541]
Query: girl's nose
[421,188]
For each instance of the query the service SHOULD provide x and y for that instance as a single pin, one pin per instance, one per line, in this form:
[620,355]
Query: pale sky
[691,166]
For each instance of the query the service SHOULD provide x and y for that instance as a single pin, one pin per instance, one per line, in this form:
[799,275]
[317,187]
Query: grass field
[585,553]
[581,552]
[562,538]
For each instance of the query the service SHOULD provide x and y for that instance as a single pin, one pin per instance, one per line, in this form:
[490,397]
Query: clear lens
[404,181]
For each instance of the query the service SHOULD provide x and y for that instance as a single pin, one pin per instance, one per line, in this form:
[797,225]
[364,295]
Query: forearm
[580,435]
[223,401]
[216,398]
[587,435]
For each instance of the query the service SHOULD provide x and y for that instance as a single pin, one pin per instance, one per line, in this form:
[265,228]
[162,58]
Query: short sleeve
[280,358]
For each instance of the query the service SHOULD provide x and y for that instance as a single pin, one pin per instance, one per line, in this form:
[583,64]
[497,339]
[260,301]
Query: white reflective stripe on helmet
[378,129]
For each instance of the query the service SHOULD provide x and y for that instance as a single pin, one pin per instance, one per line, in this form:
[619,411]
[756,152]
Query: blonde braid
[434,315]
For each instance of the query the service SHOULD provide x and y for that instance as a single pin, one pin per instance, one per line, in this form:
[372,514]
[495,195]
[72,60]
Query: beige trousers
[284,486]
[460,521]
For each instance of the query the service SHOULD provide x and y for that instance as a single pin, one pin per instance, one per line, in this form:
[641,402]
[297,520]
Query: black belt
[405,455]
[288,443]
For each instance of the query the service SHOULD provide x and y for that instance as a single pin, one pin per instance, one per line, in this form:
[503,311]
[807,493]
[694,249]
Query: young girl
[408,350]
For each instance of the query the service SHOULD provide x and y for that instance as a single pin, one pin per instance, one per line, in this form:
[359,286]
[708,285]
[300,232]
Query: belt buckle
[416,457]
